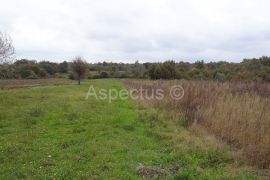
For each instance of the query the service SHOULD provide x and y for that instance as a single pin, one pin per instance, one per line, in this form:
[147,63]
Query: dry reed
[236,112]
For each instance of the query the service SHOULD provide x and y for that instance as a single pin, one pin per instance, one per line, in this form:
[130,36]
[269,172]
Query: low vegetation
[53,132]
[23,83]
[237,113]
[256,70]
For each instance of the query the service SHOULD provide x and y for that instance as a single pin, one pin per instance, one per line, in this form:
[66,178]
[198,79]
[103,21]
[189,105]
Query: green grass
[54,132]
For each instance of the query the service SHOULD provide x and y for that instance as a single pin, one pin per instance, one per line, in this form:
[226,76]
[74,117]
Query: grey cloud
[136,29]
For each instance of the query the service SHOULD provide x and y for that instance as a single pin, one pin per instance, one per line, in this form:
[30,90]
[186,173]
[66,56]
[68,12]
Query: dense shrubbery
[247,70]
[30,69]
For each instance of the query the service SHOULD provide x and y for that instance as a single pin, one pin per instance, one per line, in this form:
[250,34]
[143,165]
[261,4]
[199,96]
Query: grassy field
[53,132]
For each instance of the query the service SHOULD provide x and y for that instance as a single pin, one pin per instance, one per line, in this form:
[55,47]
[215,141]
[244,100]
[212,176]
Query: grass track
[53,132]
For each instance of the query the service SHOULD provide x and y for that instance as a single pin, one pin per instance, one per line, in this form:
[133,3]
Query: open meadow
[54,132]
[156,89]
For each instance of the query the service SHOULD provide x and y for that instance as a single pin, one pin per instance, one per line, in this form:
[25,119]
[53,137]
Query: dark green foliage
[50,68]
[63,67]
[71,76]
[155,71]
[7,72]
[220,76]
[248,70]
[199,64]
[168,70]
[104,74]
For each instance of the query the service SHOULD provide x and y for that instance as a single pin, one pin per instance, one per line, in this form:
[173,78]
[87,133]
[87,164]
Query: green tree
[155,71]
[63,67]
[168,70]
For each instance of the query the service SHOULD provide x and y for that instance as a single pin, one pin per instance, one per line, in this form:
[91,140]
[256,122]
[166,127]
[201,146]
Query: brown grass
[238,113]
[13,83]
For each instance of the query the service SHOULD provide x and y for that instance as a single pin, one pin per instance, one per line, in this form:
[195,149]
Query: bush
[32,75]
[104,74]
[220,76]
[71,76]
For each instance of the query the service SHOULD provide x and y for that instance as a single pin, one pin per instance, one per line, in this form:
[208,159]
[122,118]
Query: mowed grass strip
[54,132]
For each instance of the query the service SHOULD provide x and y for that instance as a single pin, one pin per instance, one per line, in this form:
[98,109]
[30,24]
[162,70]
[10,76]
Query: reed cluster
[236,112]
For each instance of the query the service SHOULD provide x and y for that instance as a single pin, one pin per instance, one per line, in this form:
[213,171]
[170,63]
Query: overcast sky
[144,30]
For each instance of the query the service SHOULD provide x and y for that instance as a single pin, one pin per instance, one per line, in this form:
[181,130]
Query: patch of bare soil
[150,172]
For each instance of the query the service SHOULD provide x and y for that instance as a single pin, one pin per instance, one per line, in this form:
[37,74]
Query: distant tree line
[31,69]
[257,69]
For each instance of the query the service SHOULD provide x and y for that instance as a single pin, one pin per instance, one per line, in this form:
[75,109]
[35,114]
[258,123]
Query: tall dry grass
[236,112]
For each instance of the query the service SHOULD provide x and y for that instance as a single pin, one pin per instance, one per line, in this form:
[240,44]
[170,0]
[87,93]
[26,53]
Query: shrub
[104,74]
[71,76]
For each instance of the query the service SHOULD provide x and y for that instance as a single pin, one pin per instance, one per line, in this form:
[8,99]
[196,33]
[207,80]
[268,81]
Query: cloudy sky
[144,30]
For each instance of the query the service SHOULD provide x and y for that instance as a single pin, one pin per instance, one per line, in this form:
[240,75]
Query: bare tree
[6,49]
[79,68]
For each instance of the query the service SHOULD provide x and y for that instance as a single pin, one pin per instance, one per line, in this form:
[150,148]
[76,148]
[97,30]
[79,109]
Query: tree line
[257,69]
